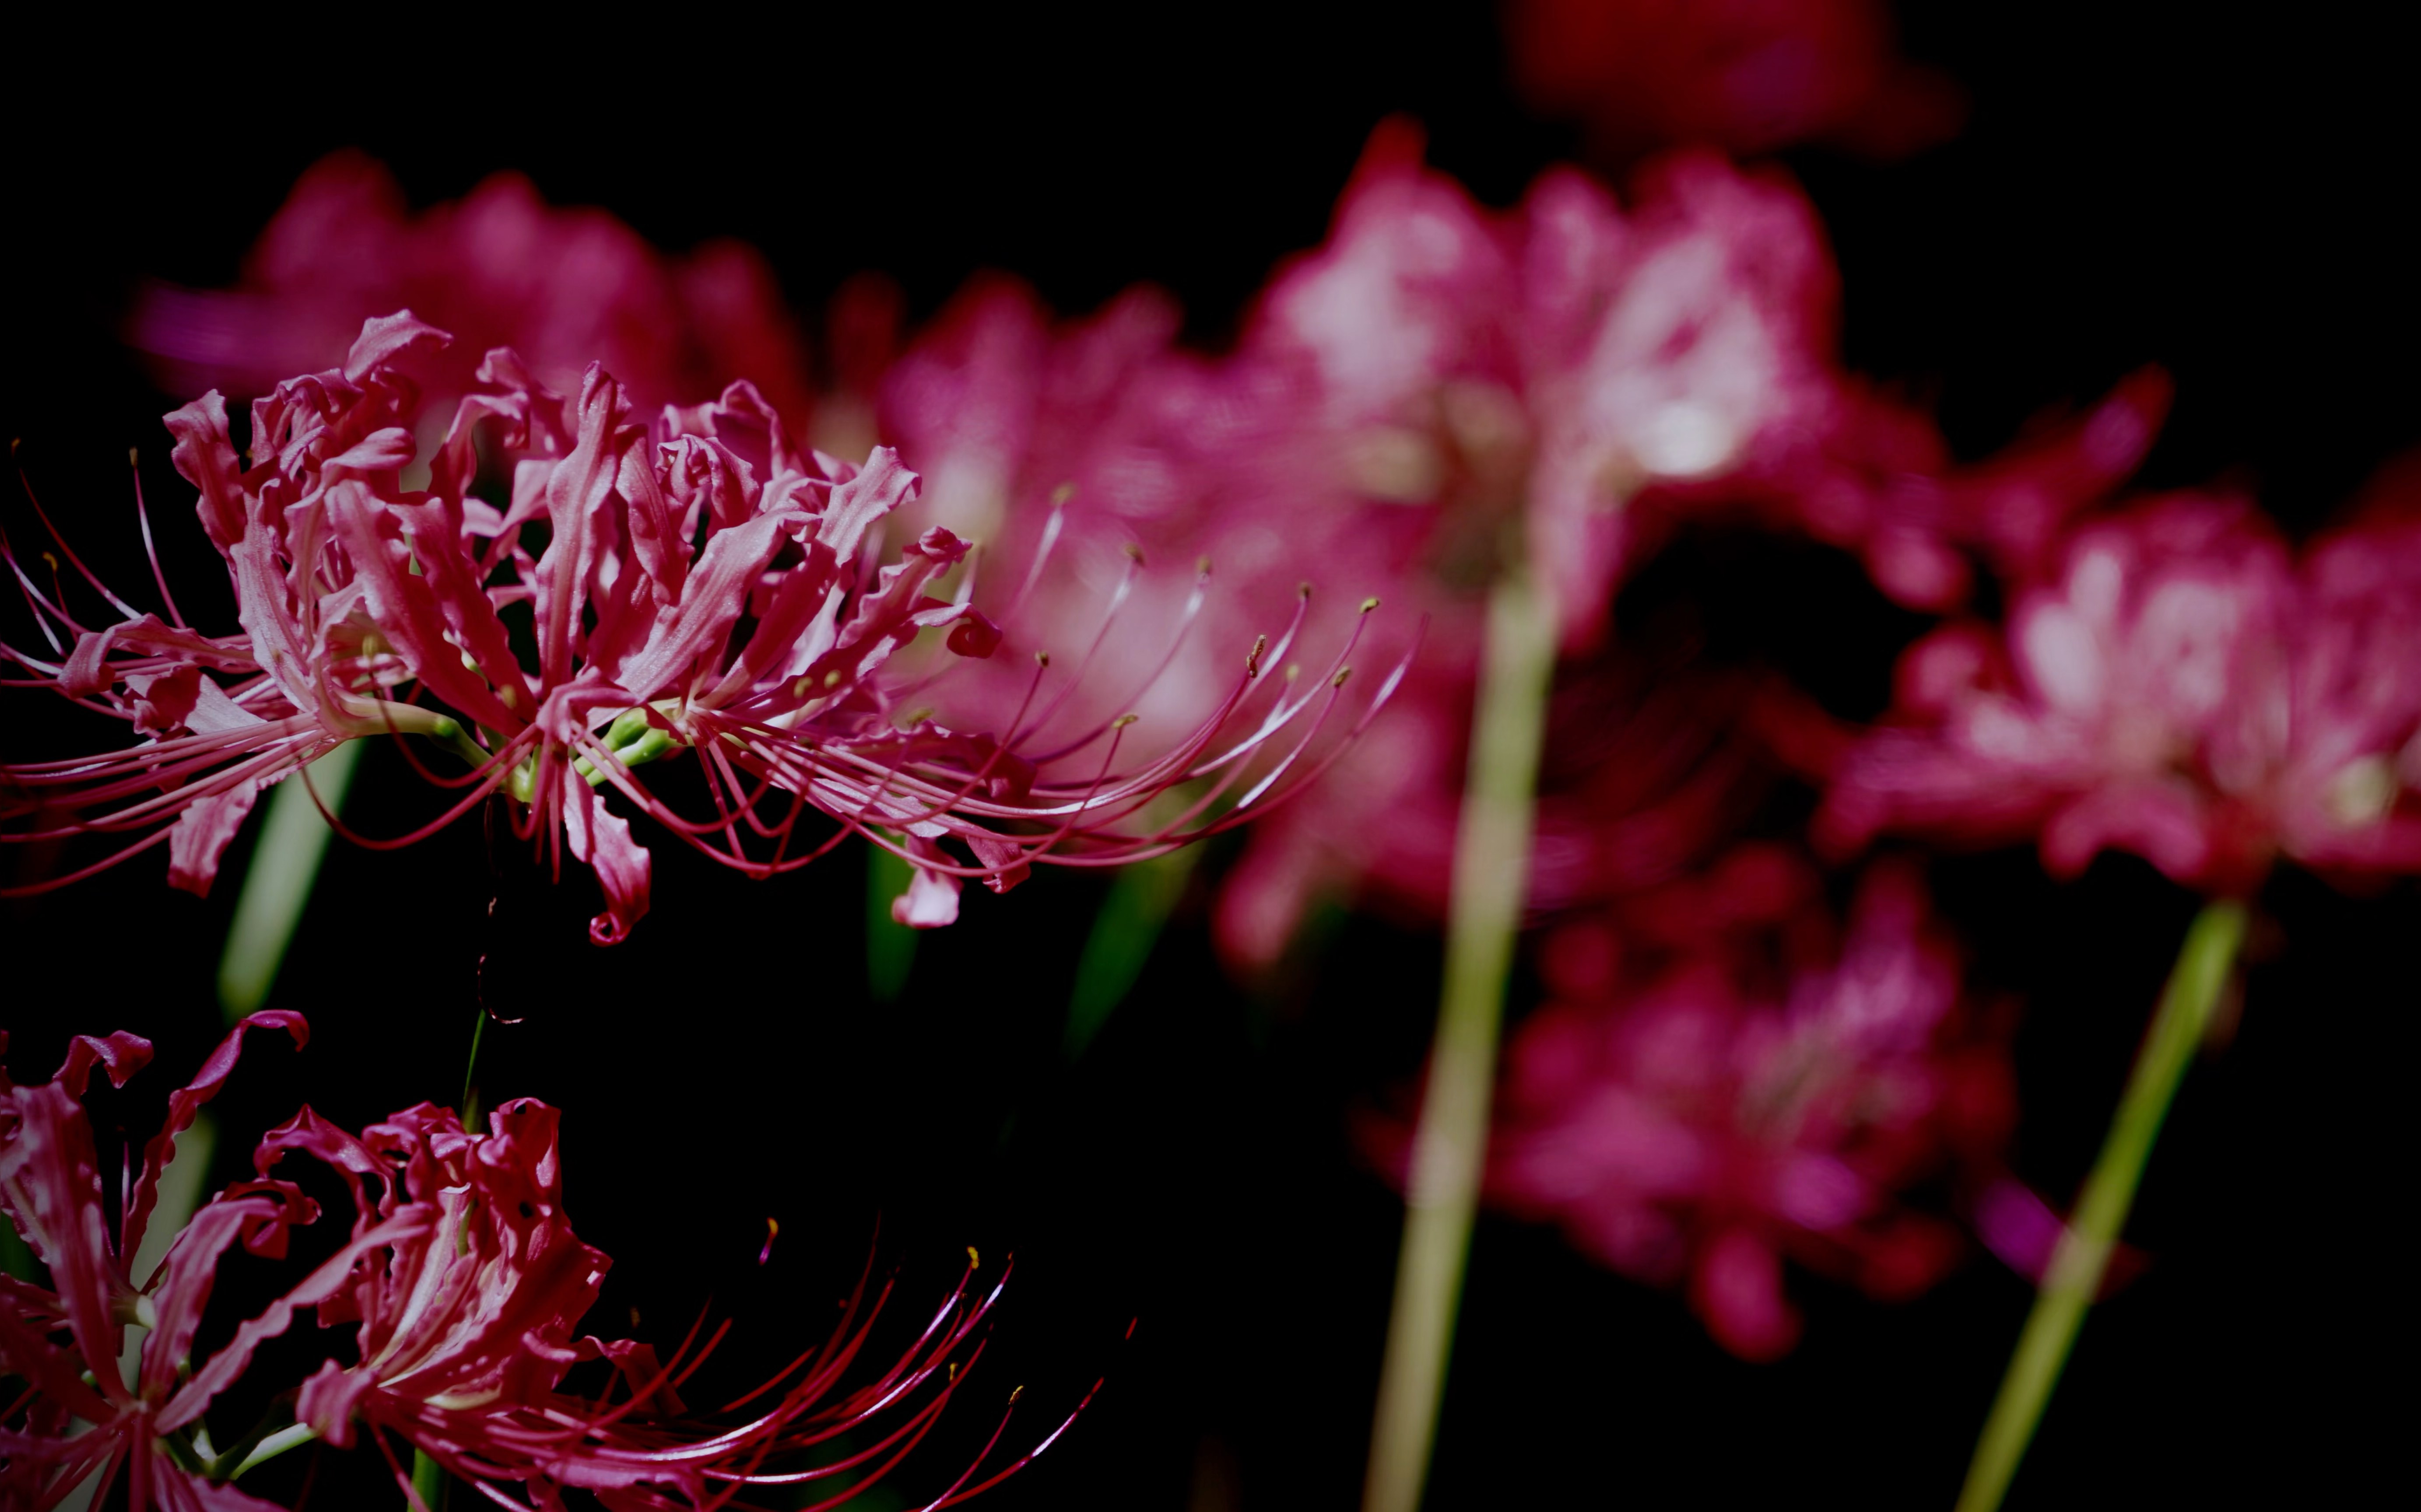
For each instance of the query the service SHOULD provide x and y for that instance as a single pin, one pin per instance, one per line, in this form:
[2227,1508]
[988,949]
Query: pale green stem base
[2076,1267]
[277,885]
[293,1436]
[1491,866]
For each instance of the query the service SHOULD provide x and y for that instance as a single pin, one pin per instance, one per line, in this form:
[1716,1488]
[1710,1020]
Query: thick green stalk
[2077,1265]
[1492,867]
[277,885]
[427,1483]
[890,945]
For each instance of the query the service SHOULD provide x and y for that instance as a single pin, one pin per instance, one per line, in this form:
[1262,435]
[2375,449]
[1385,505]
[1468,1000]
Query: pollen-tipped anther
[1369,603]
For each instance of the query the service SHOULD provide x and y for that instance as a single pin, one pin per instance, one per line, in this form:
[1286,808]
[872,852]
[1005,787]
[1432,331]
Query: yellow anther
[799,688]
[1202,567]
[975,1261]
[1042,659]
[1369,603]
[1124,721]
[831,679]
[1061,495]
[1135,553]
[1342,673]
[1252,663]
[134,457]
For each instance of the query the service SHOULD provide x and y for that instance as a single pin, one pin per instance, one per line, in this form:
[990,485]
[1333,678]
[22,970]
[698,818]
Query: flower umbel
[466,1285]
[688,583]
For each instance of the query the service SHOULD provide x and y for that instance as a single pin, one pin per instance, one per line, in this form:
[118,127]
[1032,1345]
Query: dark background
[2227,202]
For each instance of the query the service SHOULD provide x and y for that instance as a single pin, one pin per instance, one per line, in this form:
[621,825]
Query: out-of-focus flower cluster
[1744,75]
[465,1286]
[1723,1077]
[1438,394]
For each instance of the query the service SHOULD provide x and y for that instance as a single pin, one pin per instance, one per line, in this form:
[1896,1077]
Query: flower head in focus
[65,1340]
[688,581]
[465,1285]
[2182,689]
[1721,1081]
[468,1302]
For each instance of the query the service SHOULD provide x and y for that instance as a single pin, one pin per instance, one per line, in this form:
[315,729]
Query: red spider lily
[2183,690]
[1717,1084]
[467,1285]
[1434,370]
[65,1341]
[468,1322]
[700,586]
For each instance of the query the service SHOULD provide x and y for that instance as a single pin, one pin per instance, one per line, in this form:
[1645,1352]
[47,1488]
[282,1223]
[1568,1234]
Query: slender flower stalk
[1490,866]
[1139,901]
[2193,990]
[277,884]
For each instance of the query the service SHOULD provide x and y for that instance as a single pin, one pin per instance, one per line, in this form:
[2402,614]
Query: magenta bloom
[500,268]
[2182,690]
[467,1309]
[698,586]
[65,1341]
[1717,1085]
[1745,75]
[466,1285]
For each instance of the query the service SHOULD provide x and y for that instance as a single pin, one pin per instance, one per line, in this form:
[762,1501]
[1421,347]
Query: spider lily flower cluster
[1724,1077]
[2181,688]
[691,583]
[1596,374]
[465,1287]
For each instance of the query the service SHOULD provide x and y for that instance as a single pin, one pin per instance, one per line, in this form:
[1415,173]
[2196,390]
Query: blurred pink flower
[2182,690]
[1716,1084]
[1431,374]
[1744,75]
[664,540]
[500,268]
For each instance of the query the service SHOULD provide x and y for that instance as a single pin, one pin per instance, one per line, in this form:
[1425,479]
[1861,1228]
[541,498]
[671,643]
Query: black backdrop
[2223,201]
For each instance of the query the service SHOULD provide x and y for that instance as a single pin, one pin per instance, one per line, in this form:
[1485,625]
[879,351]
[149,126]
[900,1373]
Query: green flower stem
[1492,867]
[2069,1287]
[890,945]
[1138,902]
[293,1436]
[427,1483]
[277,885]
